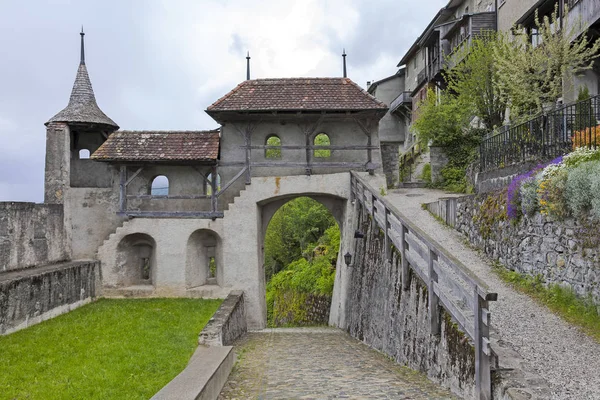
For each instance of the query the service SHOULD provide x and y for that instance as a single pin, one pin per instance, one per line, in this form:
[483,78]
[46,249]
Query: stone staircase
[414,180]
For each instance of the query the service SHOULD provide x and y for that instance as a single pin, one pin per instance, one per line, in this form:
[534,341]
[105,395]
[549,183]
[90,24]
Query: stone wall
[439,159]
[389,156]
[500,178]
[31,296]
[563,252]
[227,324]
[301,309]
[31,234]
[396,321]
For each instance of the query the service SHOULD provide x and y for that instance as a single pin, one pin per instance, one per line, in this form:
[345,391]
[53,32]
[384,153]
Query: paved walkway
[565,357]
[320,363]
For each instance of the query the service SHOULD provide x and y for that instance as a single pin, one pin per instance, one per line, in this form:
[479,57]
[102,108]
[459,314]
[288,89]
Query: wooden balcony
[462,32]
[582,15]
[403,100]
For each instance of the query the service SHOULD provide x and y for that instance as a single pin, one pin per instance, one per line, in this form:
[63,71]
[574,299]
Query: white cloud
[157,64]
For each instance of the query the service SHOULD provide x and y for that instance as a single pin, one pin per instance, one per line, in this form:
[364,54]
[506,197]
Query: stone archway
[136,260]
[316,305]
[203,265]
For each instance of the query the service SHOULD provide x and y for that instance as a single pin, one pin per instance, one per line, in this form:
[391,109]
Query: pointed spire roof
[82,106]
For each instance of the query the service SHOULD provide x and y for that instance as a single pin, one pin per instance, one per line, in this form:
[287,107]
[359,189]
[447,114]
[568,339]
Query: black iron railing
[543,137]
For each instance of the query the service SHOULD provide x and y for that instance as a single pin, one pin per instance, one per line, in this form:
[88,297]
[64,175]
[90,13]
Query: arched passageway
[301,238]
[203,259]
[136,260]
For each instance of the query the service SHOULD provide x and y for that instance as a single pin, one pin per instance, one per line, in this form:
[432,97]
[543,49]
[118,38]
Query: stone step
[413,184]
[130,291]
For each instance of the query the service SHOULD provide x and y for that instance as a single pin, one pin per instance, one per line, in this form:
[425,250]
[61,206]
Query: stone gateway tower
[72,136]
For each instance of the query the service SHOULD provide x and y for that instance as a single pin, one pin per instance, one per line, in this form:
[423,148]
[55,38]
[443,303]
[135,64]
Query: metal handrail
[544,136]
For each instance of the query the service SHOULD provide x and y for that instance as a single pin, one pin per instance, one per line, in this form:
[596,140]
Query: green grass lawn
[110,349]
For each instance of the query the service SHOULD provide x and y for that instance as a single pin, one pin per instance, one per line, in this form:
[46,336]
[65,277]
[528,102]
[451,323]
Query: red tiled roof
[297,94]
[157,146]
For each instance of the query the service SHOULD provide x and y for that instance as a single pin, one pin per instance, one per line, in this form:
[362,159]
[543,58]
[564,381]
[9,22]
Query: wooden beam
[136,173]
[434,316]
[340,164]
[213,185]
[173,214]
[311,147]
[206,180]
[168,197]
[224,188]
[122,189]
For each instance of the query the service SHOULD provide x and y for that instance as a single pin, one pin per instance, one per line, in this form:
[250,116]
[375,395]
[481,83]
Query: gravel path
[321,363]
[565,357]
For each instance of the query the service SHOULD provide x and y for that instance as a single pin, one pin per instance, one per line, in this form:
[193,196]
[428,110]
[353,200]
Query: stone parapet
[30,296]
[227,324]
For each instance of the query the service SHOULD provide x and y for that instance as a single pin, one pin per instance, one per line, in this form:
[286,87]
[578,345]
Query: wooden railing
[449,283]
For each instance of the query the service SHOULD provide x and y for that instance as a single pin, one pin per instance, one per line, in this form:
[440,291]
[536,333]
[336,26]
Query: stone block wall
[439,159]
[30,296]
[396,321]
[390,160]
[562,252]
[31,234]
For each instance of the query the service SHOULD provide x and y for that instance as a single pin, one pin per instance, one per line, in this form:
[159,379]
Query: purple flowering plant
[514,209]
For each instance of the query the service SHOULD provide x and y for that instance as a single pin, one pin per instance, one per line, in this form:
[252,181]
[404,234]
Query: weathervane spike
[82,60]
[248,66]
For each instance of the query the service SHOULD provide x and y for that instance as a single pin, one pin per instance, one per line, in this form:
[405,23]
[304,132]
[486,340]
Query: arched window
[84,154]
[273,140]
[160,186]
[322,140]
[208,190]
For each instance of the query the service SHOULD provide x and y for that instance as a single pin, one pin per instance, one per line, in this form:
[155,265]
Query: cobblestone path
[320,363]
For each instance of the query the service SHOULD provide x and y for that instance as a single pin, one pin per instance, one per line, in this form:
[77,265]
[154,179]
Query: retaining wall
[562,252]
[396,321]
[30,296]
[31,234]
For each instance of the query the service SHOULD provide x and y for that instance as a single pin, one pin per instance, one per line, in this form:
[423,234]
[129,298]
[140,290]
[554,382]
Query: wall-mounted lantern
[348,258]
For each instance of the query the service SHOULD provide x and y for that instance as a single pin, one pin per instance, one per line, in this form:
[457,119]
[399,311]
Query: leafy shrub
[454,179]
[426,174]
[551,194]
[528,192]
[513,194]
[595,188]
[578,191]
[580,155]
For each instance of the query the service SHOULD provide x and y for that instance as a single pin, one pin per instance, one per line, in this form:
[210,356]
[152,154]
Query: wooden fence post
[123,189]
[403,250]
[483,383]
[434,317]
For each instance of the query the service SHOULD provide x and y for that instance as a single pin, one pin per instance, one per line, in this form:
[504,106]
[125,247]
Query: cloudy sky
[157,64]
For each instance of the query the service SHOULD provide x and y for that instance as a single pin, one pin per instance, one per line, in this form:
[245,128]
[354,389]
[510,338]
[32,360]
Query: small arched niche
[322,139]
[273,140]
[203,259]
[160,186]
[136,260]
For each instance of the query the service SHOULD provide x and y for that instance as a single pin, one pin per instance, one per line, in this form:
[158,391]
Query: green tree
[532,76]
[441,120]
[296,226]
[474,79]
